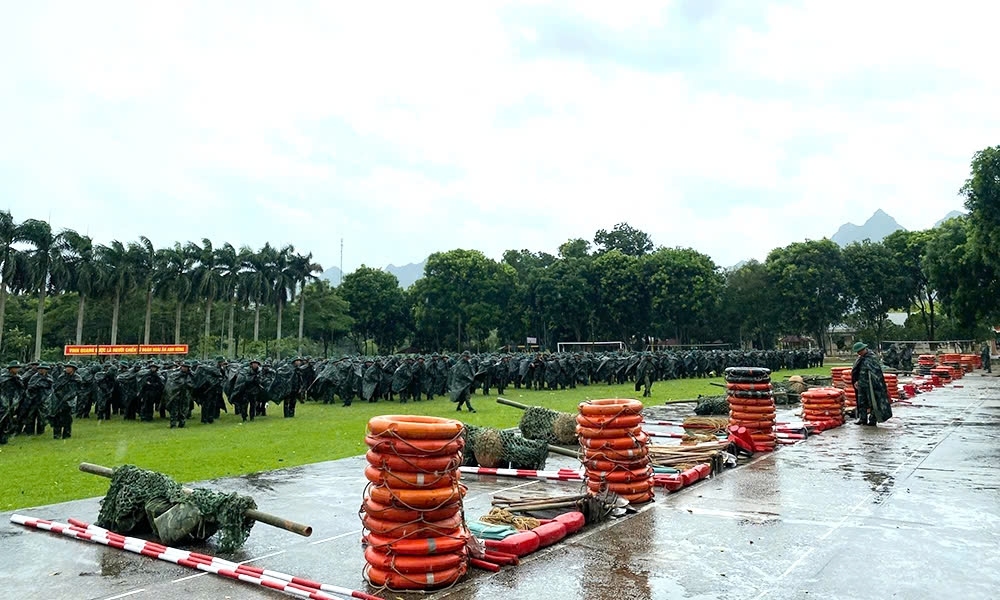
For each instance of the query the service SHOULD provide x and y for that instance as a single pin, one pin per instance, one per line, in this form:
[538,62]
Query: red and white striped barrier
[560,475]
[302,588]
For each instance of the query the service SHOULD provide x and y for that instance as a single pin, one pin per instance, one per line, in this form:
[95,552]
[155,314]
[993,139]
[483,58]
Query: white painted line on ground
[138,591]
[336,537]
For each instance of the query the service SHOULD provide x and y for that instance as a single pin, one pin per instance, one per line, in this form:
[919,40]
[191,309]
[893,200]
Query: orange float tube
[622,488]
[413,464]
[417,546]
[415,447]
[752,402]
[414,427]
[745,416]
[629,454]
[401,480]
[622,443]
[750,387]
[402,515]
[611,465]
[413,581]
[434,498]
[606,433]
[415,529]
[753,424]
[412,564]
[598,421]
[762,410]
[620,475]
[610,406]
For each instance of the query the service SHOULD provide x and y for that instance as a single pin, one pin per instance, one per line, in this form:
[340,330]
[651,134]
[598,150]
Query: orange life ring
[402,480]
[745,416]
[598,464]
[622,443]
[751,402]
[759,410]
[402,515]
[413,581]
[412,564]
[414,464]
[417,546]
[618,421]
[620,475]
[638,498]
[610,406]
[434,498]
[750,387]
[753,424]
[606,433]
[628,454]
[415,447]
[414,427]
[821,393]
[635,487]
[416,529]
[822,405]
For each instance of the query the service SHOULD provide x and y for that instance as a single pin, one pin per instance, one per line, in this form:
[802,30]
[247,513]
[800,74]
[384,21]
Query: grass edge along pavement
[37,470]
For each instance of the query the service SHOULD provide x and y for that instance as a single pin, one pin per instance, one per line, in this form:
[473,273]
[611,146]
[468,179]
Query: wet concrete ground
[910,509]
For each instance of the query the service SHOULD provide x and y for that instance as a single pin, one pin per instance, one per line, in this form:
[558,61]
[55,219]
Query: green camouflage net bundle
[523,453]
[489,447]
[139,501]
[712,405]
[551,426]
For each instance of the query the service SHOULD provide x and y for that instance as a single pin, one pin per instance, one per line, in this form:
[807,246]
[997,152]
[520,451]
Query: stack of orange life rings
[850,395]
[415,534]
[892,385]
[615,451]
[751,404]
[943,375]
[926,362]
[837,374]
[823,406]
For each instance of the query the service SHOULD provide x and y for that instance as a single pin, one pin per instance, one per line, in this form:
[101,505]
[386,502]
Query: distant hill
[406,274]
[950,215]
[875,228]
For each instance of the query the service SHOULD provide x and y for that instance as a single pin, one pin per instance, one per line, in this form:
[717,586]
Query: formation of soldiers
[35,395]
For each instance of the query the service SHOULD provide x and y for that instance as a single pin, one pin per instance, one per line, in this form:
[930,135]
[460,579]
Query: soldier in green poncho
[461,379]
[985,355]
[150,393]
[32,418]
[645,374]
[11,397]
[248,390]
[869,384]
[179,394]
[62,401]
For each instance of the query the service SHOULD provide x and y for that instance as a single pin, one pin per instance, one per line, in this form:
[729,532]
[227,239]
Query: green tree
[173,280]
[624,306]
[375,305]
[9,264]
[44,268]
[303,271]
[909,249]
[84,271]
[982,199]
[328,318]
[565,299]
[118,277]
[206,278]
[685,287]
[958,272]
[143,257]
[876,284]
[574,248]
[748,302]
[230,262]
[257,285]
[808,281]
[282,282]
[624,238]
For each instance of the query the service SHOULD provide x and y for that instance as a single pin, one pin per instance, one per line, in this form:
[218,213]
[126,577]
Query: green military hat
[219,359]
[44,366]
[73,365]
[859,346]
[14,365]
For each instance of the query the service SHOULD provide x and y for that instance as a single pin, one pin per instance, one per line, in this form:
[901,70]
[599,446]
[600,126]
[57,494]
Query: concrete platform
[910,509]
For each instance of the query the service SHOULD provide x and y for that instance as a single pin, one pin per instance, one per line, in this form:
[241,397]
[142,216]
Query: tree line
[619,286]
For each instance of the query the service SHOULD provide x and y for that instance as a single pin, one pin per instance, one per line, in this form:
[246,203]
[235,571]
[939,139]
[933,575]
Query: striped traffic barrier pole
[181,557]
[560,475]
[223,563]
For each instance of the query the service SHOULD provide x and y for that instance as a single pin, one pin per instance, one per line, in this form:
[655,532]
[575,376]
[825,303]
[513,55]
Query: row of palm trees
[36,260]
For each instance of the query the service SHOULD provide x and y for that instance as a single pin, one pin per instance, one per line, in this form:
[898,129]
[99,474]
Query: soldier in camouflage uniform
[62,401]
[151,386]
[33,415]
[11,397]
[869,384]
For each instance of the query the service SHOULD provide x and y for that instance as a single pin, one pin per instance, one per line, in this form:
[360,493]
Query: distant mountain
[950,215]
[875,228]
[407,274]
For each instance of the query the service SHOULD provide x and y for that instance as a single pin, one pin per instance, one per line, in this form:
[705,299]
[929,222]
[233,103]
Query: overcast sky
[409,127]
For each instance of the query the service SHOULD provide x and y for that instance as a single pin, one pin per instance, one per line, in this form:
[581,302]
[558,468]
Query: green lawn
[39,470]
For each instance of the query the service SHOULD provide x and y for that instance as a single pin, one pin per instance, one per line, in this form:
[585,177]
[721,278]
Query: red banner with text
[124,350]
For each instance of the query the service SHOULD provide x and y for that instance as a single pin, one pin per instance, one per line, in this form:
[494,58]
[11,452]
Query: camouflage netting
[552,426]
[489,447]
[140,501]
[712,405]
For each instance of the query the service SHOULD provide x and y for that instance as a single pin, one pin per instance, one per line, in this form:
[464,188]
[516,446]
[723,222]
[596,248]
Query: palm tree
[173,279]
[230,264]
[206,278]
[84,270]
[256,285]
[303,270]
[44,267]
[282,280]
[143,257]
[8,262]
[119,275]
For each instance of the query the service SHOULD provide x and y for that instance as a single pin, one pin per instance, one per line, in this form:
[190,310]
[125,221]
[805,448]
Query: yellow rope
[501,516]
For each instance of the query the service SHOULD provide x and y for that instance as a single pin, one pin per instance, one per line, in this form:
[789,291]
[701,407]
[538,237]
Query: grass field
[38,470]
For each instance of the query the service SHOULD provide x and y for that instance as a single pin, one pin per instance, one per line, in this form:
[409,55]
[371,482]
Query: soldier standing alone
[62,402]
